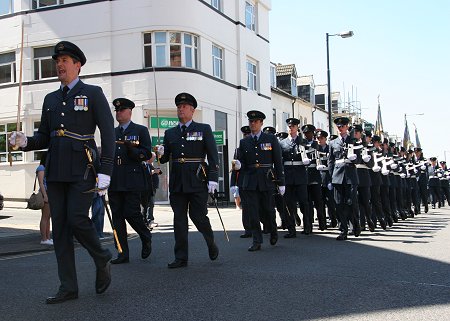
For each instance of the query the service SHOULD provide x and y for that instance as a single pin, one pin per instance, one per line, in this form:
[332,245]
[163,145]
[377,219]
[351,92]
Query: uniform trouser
[315,198]
[408,199]
[345,196]
[445,192]
[400,197]
[385,202]
[125,207]
[415,194]
[377,209]
[261,201]
[393,199]
[294,194]
[98,214]
[435,192]
[328,196]
[196,203]
[423,191]
[245,215]
[365,208]
[70,217]
[148,203]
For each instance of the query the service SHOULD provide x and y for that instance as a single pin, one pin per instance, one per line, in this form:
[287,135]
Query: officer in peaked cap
[333,136]
[326,186]
[133,146]
[69,49]
[245,130]
[281,135]
[236,190]
[186,146]
[344,179]
[434,184]
[185,98]
[269,130]
[259,157]
[70,116]
[341,121]
[314,182]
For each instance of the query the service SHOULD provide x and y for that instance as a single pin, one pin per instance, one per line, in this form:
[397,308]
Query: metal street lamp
[346,34]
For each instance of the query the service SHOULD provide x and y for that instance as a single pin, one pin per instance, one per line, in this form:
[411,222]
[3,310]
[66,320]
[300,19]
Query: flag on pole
[379,123]
[417,137]
[406,138]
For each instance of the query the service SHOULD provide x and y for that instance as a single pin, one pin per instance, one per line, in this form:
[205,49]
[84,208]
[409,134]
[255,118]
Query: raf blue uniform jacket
[128,173]
[265,151]
[67,160]
[197,142]
[294,174]
[340,171]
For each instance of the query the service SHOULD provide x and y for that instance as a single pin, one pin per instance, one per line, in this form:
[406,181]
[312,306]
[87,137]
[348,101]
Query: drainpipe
[293,103]
[312,114]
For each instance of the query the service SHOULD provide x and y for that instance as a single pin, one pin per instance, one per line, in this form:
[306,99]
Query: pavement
[19,228]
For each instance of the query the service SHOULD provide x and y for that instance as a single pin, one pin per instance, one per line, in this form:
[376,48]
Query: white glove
[282,190]
[423,167]
[366,158]
[18,139]
[236,164]
[103,183]
[402,175]
[385,172]
[212,186]
[351,157]
[320,167]
[376,168]
[394,166]
[330,186]
[306,161]
[439,175]
[160,150]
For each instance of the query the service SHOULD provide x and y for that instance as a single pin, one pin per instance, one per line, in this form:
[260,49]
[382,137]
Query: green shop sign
[164,122]
[219,137]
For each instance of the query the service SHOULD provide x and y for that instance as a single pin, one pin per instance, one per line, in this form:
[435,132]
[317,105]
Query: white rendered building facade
[145,50]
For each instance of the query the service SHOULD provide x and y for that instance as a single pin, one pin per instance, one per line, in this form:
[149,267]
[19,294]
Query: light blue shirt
[72,84]
[257,135]
[125,126]
[187,124]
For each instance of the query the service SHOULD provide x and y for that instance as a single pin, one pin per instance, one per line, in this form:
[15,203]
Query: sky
[400,51]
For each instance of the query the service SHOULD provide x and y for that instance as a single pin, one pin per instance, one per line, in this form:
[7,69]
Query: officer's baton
[220,216]
[119,248]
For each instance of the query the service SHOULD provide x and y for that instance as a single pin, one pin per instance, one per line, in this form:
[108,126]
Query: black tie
[65,91]
[255,138]
[183,129]
[121,130]
[343,141]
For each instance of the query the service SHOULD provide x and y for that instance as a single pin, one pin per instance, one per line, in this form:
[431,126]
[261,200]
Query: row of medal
[81,103]
[192,136]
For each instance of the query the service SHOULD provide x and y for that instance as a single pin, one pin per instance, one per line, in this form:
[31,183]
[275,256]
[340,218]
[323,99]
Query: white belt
[293,163]
[432,177]
[340,161]
[396,174]
[362,166]
[312,165]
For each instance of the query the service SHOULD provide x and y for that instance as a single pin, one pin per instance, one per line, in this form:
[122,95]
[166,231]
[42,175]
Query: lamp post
[346,34]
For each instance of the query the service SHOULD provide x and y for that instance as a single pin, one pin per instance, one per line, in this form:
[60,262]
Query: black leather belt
[188,160]
[260,165]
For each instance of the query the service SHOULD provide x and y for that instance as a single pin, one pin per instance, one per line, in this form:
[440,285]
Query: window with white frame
[7,68]
[45,3]
[217,4]
[44,65]
[251,75]
[38,153]
[273,76]
[6,6]
[174,49]
[5,131]
[250,16]
[217,57]
[294,86]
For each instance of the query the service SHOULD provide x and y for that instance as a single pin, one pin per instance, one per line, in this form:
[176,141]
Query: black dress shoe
[146,249]
[390,222]
[177,264]
[103,279]
[371,226]
[426,208]
[121,259]
[273,239]
[245,236]
[342,237]
[333,222]
[61,297]
[213,252]
[290,235]
[357,231]
[305,232]
[383,224]
[254,247]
